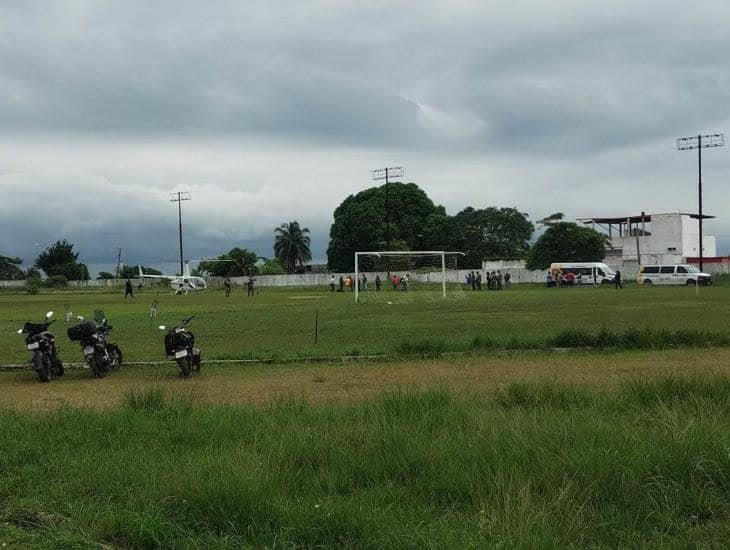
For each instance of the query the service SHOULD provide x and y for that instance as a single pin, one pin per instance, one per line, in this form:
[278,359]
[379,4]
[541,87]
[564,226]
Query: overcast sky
[273,111]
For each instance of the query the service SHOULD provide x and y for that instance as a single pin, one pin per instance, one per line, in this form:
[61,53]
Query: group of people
[249,286]
[348,283]
[495,280]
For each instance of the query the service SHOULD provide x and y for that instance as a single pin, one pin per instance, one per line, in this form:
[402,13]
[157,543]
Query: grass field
[280,324]
[619,447]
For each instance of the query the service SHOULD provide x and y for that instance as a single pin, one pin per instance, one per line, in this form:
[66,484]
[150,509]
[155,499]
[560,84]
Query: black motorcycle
[180,345]
[45,360]
[100,355]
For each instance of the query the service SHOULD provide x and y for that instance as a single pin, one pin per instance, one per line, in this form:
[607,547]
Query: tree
[360,223]
[60,259]
[272,267]
[489,233]
[291,245]
[552,219]
[132,272]
[567,242]
[238,262]
[9,270]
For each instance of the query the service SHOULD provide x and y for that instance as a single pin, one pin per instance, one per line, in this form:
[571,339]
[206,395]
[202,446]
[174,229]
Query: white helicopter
[180,283]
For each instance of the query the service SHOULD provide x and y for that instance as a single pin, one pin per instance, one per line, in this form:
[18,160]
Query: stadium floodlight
[700,142]
[441,254]
[385,174]
[179,197]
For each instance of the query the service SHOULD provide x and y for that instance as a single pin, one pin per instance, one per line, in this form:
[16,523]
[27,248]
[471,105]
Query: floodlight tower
[700,142]
[384,174]
[179,197]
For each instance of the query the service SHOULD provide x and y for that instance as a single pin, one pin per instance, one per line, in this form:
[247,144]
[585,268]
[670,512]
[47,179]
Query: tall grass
[631,338]
[539,466]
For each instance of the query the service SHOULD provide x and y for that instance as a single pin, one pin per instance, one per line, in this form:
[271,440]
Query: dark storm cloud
[272,111]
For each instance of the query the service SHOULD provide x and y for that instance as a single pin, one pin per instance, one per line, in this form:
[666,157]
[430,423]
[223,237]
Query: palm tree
[291,245]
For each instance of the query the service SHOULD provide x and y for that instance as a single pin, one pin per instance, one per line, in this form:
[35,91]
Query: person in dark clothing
[617,280]
[250,284]
[128,290]
[378,284]
[473,281]
[479,280]
[342,284]
[227,285]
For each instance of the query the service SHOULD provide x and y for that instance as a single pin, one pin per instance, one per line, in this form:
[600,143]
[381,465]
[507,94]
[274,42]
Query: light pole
[179,197]
[700,142]
[384,174]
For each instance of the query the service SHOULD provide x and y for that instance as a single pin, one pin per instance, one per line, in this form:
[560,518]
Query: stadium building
[662,238]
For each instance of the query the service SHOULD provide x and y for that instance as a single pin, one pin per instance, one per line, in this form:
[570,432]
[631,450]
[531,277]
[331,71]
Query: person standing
[364,282]
[378,283]
[395,281]
[499,279]
[128,290]
[332,283]
[617,280]
[250,284]
[507,280]
[473,281]
[227,285]
[342,284]
[479,280]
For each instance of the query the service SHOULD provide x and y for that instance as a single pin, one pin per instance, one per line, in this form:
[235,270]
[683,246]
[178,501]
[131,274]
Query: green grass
[279,324]
[539,466]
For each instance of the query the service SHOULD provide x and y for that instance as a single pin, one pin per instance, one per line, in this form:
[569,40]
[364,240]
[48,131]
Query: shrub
[57,281]
[32,285]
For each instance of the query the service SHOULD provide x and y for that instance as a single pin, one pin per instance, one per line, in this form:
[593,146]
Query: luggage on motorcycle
[176,340]
[34,328]
[82,330]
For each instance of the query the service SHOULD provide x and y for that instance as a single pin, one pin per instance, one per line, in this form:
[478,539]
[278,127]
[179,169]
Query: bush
[32,285]
[57,281]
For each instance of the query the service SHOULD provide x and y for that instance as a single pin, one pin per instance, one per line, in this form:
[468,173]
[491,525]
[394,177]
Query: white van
[677,274]
[586,273]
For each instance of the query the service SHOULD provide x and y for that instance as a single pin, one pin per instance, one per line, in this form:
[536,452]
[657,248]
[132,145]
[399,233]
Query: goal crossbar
[442,253]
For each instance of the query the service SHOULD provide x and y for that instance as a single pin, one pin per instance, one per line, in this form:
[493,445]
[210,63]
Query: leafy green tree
[291,245]
[9,270]
[360,223]
[60,259]
[272,267]
[105,275]
[489,233]
[238,262]
[132,272]
[567,242]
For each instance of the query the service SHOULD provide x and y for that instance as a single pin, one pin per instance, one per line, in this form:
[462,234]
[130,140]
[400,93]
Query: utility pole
[119,264]
[385,173]
[179,197]
[700,142]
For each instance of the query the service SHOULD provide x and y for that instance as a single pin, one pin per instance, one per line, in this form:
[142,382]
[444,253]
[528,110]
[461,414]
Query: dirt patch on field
[348,382]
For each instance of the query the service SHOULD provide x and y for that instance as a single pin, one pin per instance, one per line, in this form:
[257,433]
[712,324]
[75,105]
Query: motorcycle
[100,355]
[45,360]
[180,345]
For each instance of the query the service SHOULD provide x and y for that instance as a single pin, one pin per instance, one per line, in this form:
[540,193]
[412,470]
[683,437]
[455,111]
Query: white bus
[586,273]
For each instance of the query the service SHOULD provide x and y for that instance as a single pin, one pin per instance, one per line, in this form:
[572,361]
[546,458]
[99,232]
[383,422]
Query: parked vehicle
[100,355]
[675,274]
[180,346]
[586,273]
[46,361]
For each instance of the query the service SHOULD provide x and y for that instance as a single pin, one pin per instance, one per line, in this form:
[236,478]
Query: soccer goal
[405,271]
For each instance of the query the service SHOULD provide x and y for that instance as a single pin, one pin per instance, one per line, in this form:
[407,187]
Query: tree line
[361,222]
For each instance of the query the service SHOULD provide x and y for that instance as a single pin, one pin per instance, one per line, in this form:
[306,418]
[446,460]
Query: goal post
[441,255]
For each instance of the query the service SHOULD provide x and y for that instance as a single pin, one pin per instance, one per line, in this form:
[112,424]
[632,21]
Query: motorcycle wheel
[116,356]
[57,367]
[40,364]
[184,364]
[97,367]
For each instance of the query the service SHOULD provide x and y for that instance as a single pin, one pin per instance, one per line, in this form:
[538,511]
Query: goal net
[377,274]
